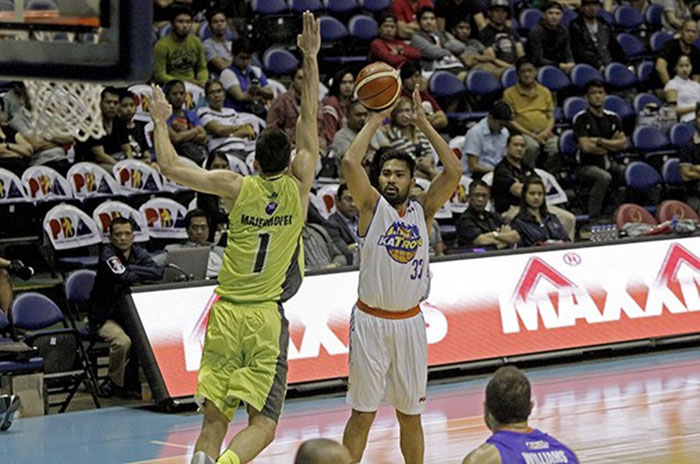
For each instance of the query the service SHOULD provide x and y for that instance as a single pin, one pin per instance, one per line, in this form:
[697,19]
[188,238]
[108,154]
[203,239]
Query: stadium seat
[165,30]
[269,7]
[671,172]
[204,32]
[652,15]
[7,5]
[573,106]
[340,7]
[605,16]
[444,84]
[332,29]
[568,15]
[279,62]
[630,213]
[375,6]
[363,27]
[41,5]
[628,18]
[633,47]
[619,106]
[645,71]
[681,134]
[567,144]
[641,177]
[617,76]
[650,141]
[643,99]
[528,18]
[509,78]
[658,39]
[481,82]
[300,6]
[583,73]
[670,209]
[553,78]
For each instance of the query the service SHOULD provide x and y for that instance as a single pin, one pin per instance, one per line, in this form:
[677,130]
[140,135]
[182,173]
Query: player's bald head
[322,451]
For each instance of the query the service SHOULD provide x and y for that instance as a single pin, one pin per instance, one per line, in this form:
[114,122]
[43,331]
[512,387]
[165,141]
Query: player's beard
[396,198]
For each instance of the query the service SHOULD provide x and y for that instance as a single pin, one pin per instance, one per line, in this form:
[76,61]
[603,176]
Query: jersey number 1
[262,253]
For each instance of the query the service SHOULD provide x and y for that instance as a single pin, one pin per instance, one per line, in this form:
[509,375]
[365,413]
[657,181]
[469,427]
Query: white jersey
[394,268]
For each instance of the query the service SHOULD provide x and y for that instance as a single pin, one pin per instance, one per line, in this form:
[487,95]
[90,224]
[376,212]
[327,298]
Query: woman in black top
[535,225]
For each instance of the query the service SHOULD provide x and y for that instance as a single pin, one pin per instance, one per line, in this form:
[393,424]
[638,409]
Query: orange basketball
[378,86]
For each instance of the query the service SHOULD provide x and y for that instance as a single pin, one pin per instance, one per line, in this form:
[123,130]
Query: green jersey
[264,258]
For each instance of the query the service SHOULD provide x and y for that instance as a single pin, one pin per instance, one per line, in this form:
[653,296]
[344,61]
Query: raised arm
[444,184]
[225,184]
[307,144]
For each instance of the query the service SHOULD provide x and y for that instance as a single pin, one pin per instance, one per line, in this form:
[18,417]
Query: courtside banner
[478,308]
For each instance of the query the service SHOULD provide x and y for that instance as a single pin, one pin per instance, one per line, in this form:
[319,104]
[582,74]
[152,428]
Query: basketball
[378,86]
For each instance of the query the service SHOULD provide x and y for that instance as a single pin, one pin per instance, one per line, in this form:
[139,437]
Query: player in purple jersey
[506,410]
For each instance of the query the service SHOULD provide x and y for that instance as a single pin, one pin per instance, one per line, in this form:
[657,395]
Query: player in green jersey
[245,350]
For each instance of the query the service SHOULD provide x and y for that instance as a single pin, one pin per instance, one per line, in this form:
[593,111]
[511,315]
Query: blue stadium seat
[645,71]
[651,142]
[363,27]
[658,39]
[509,78]
[444,84]
[627,17]
[375,6]
[41,5]
[568,15]
[641,177]
[529,17]
[340,7]
[605,16]
[7,5]
[269,7]
[300,6]
[582,73]
[553,78]
[573,106]
[618,76]
[671,172]
[619,106]
[643,99]
[279,62]
[653,14]
[632,46]
[204,32]
[567,144]
[332,29]
[481,82]
[681,134]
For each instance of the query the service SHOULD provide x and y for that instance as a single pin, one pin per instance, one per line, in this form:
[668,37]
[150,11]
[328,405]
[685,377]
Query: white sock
[200,457]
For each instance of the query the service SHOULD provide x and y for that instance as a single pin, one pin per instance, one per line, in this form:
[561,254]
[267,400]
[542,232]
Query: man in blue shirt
[485,143]
[246,84]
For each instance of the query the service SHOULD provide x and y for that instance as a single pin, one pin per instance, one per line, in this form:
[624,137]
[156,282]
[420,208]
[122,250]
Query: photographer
[7,269]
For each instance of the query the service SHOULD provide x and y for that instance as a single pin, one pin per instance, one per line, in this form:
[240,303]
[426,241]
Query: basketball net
[65,108]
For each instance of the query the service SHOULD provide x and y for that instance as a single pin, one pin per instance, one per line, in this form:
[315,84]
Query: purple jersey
[530,448]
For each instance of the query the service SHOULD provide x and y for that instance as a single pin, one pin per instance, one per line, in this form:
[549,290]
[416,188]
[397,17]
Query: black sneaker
[108,389]
[18,268]
[9,404]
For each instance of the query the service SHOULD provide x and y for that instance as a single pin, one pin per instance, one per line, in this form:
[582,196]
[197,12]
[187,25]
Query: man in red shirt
[410,76]
[388,48]
[405,11]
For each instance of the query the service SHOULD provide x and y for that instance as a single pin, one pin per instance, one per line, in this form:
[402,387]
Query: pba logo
[162,216]
[401,241]
[2,189]
[132,177]
[64,228]
[41,183]
[85,180]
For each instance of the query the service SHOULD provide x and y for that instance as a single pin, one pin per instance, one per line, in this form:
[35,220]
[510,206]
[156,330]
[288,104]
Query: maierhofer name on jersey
[285,220]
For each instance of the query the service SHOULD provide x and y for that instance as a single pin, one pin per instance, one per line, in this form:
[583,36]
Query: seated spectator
[113,146]
[477,227]
[451,12]
[50,153]
[246,84]
[213,205]
[120,266]
[322,451]
[135,130]
[229,132]
[533,116]
[197,226]
[437,246]
[342,225]
[8,268]
[474,51]
[284,110]
[675,13]
[599,135]
[388,48]
[402,135]
[534,223]
[13,100]
[15,150]
[319,250]
[682,92]
[499,37]
[592,39]
[485,142]
[336,103]
[405,12]
[508,180]
[548,41]
[667,59]
[186,131]
[217,48]
[507,407]
[357,116]
[690,166]
[410,77]
[180,54]
[439,50]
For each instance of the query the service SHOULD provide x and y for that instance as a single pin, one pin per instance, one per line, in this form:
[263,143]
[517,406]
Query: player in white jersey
[388,347]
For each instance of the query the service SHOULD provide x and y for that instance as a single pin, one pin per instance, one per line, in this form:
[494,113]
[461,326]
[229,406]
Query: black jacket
[341,234]
[532,233]
[584,47]
[113,281]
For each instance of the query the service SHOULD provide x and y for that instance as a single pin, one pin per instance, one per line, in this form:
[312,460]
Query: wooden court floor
[637,409]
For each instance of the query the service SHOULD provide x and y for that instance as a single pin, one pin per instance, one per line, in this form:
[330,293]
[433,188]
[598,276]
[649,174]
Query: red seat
[670,208]
[629,212]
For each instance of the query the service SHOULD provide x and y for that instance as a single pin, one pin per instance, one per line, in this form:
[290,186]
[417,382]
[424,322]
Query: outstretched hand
[159,108]
[309,41]
[381,115]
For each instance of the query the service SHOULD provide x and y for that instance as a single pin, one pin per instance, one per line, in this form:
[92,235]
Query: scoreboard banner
[479,308]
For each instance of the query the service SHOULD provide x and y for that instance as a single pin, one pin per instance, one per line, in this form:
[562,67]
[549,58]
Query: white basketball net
[65,108]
